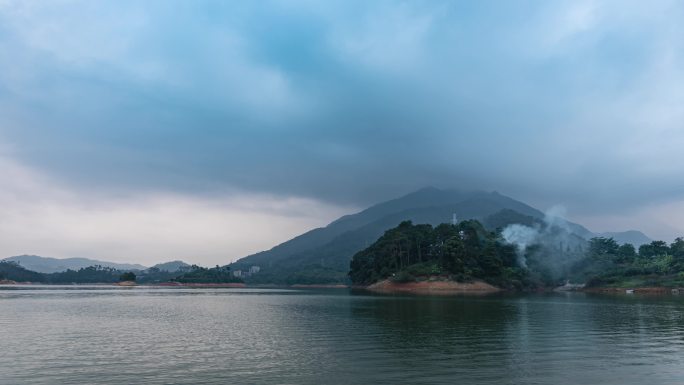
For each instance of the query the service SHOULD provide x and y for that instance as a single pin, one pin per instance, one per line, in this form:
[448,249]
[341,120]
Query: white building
[254,269]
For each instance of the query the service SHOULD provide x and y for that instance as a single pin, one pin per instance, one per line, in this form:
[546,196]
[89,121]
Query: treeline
[93,274]
[461,252]
[100,274]
[468,251]
[198,274]
[15,272]
[609,264]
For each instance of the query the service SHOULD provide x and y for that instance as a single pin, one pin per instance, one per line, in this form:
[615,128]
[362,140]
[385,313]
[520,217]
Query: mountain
[322,255]
[637,238]
[54,265]
[171,267]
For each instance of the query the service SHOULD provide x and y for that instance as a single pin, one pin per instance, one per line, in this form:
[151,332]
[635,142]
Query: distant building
[254,269]
[237,273]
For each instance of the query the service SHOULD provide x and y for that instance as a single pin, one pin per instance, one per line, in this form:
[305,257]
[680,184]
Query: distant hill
[172,266]
[54,265]
[322,255]
[17,273]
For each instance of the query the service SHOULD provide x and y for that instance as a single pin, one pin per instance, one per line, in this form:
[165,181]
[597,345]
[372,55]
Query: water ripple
[106,335]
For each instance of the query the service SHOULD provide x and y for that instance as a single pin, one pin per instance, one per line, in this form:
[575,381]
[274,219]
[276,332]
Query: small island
[448,258]
[127,279]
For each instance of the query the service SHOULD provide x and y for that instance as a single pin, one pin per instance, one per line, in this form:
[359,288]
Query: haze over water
[102,335]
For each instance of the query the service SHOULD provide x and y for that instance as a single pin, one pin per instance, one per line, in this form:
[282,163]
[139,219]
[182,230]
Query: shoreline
[130,284]
[432,287]
[634,290]
[436,287]
[319,286]
[199,285]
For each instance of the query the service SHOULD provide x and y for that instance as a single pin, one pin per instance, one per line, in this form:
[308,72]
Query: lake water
[67,335]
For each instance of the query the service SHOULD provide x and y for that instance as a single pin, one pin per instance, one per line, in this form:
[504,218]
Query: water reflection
[558,338]
[260,336]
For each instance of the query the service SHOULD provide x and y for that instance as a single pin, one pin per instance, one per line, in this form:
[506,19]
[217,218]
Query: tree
[464,251]
[602,246]
[654,249]
[677,250]
[129,276]
[626,253]
[200,274]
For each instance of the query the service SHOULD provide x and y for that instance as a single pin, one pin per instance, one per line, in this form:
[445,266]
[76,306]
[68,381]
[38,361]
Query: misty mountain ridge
[55,265]
[49,265]
[323,254]
[171,266]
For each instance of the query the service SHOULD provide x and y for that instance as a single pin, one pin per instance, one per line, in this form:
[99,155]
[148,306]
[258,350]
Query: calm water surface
[62,335]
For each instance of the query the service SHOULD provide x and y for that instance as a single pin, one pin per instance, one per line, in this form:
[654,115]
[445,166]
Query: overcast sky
[144,131]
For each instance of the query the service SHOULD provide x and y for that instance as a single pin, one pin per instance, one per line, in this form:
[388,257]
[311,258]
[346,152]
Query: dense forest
[467,251]
[461,252]
[608,263]
[198,274]
[93,274]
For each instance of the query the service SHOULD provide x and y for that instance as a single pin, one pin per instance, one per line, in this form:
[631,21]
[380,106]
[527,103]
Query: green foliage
[677,247]
[128,276]
[626,253]
[91,274]
[467,251]
[463,252]
[656,264]
[15,272]
[403,277]
[653,249]
[198,274]
[424,269]
[603,246]
[100,274]
[540,272]
[677,251]
[155,275]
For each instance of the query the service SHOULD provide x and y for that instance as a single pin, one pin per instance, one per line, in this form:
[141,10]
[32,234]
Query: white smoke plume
[555,217]
[521,236]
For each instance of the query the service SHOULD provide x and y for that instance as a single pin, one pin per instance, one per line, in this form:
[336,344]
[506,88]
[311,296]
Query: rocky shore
[433,287]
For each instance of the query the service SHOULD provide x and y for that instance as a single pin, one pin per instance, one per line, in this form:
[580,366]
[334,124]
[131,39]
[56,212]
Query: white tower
[454,220]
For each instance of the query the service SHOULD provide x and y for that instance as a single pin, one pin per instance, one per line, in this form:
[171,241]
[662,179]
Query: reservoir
[107,335]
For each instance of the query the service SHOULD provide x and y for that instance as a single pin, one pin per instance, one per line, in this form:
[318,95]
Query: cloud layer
[343,104]
[41,217]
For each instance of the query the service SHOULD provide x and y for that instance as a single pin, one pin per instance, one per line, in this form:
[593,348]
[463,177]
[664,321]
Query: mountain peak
[171,266]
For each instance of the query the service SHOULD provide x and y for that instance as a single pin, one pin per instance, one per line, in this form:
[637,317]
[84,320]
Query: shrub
[129,276]
[403,277]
